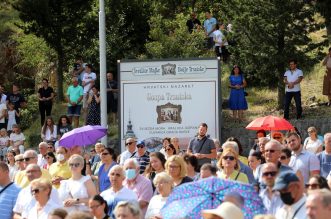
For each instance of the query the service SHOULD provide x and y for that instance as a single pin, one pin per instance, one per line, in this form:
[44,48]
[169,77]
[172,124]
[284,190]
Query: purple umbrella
[83,136]
[189,199]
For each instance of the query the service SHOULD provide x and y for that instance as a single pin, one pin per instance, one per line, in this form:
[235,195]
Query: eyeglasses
[277,137]
[94,206]
[35,191]
[104,154]
[19,160]
[228,158]
[169,149]
[272,173]
[270,151]
[283,157]
[74,165]
[129,143]
[50,147]
[140,146]
[27,159]
[313,186]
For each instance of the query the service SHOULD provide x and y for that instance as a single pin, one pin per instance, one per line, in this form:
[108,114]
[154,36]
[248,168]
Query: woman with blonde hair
[312,143]
[164,184]
[176,168]
[76,191]
[229,165]
[41,191]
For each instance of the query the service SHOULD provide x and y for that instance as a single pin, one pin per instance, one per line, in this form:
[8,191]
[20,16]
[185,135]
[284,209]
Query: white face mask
[60,157]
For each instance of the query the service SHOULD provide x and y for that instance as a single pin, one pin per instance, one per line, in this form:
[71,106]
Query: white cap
[226,210]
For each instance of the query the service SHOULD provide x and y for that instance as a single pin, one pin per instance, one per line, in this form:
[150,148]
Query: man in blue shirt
[325,156]
[209,25]
[8,193]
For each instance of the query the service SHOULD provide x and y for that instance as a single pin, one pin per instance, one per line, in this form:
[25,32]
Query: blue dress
[237,100]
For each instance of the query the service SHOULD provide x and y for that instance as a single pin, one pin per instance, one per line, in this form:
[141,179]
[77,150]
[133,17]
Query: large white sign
[169,99]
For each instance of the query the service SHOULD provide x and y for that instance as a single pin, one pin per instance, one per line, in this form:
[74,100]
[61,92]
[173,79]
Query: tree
[324,8]
[171,39]
[268,34]
[66,26]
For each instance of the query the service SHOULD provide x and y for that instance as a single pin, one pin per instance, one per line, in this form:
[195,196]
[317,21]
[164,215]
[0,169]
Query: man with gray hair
[42,154]
[30,157]
[272,153]
[138,183]
[117,192]
[325,156]
[318,204]
[25,198]
[130,144]
[243,167]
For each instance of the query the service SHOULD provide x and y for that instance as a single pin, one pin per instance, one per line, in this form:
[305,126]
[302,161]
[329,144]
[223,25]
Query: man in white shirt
[271,199]
[117,192]
[304,161]
[130,144]
[292,79]
[291,193]
[218,40]
[42,161]
[88,80]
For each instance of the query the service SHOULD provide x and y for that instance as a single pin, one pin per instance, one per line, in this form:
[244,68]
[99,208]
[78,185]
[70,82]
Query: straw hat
[226,210]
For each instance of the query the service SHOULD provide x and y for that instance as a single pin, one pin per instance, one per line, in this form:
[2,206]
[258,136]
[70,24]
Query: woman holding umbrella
[176,168]
[229,166]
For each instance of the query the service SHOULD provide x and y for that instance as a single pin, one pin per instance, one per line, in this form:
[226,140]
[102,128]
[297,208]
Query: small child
[11,115]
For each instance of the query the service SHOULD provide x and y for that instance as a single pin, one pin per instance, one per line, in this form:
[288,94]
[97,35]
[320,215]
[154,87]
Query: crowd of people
[291,175]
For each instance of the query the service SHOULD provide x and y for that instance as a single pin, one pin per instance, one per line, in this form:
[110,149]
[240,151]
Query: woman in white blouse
[41,191]
[76,191]
[164,185]
[312,143]
[49,130]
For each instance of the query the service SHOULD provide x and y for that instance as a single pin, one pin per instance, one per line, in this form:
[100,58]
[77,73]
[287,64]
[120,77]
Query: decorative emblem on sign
[169,69]
[169,113]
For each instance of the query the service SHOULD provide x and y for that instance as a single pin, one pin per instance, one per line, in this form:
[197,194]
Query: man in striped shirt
[8,193]
[141,155]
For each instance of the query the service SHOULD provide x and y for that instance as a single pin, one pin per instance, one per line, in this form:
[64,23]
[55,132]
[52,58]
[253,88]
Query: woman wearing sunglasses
[229,166]
[40,190]
[108,158]
[313,143]
[317,182]
[170,150]
[76,191]
[285,156]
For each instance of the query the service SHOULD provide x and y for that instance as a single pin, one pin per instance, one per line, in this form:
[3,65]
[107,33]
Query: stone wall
[246,137]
